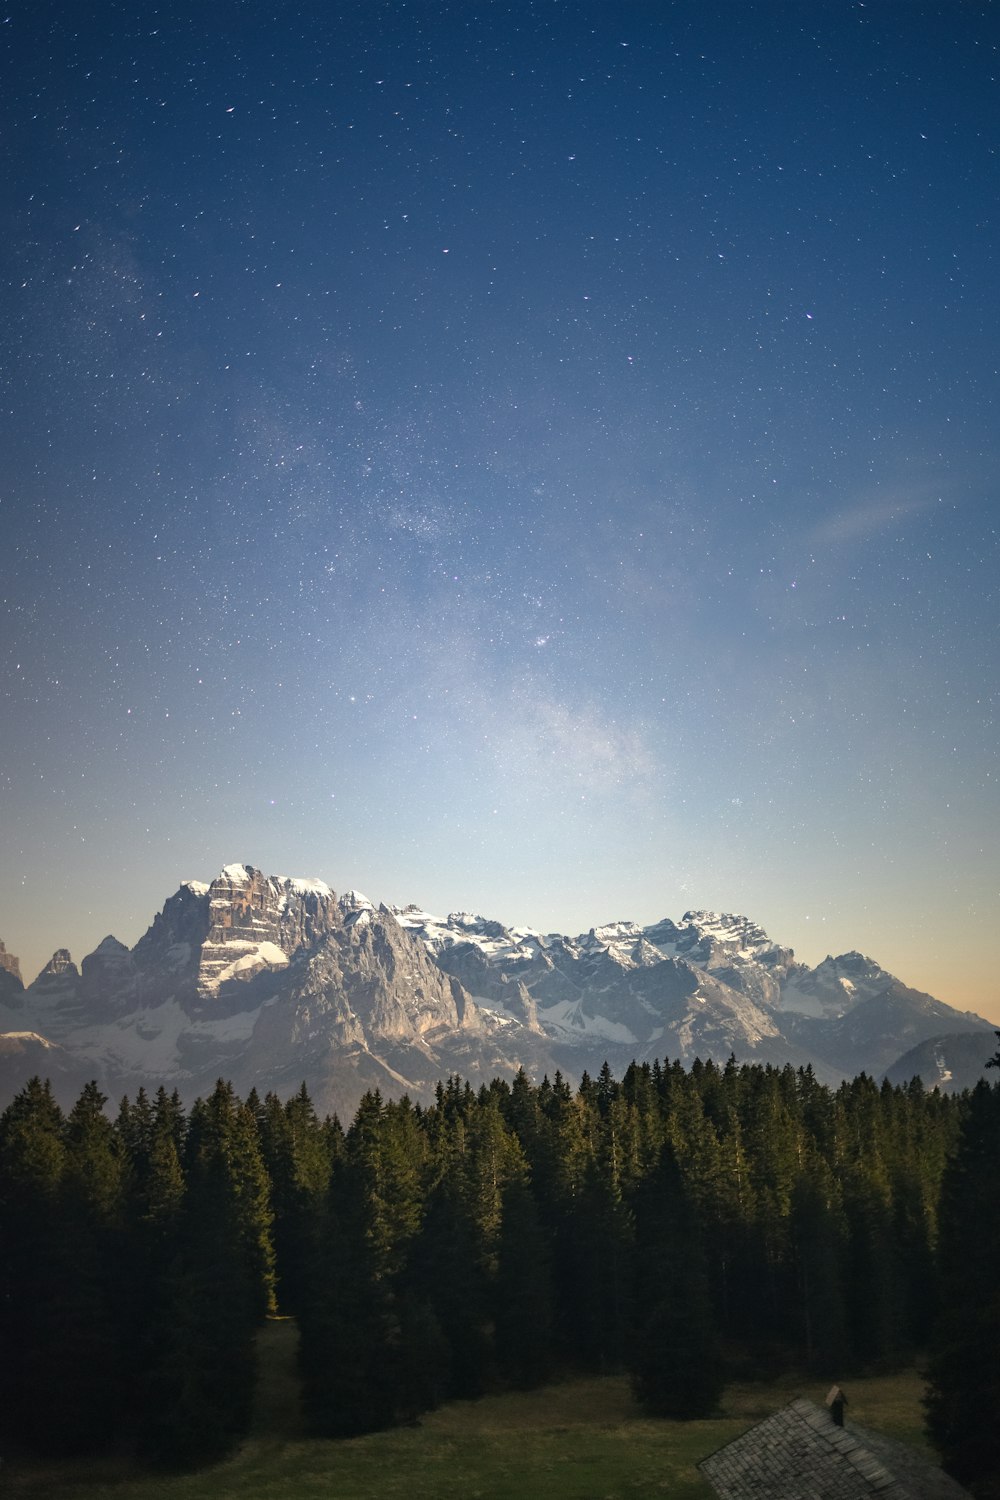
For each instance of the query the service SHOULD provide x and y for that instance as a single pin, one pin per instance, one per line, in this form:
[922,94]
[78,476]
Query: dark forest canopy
[683,1225]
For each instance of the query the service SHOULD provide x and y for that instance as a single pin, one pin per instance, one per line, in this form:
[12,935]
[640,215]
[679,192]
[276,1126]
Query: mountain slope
[875,1031]
[951,1063]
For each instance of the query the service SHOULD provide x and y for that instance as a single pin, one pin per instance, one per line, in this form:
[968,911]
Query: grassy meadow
[583,1439]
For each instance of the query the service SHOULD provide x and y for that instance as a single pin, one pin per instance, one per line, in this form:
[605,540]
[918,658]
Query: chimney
[836,1401]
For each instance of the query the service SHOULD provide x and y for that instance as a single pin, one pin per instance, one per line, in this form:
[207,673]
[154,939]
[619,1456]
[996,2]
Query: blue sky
[537,458]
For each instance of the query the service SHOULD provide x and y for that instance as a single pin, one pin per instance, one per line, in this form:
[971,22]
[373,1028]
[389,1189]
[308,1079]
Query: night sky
[536,458]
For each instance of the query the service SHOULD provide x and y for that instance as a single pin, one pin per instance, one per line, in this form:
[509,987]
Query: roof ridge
[872,1468]
[846,1448]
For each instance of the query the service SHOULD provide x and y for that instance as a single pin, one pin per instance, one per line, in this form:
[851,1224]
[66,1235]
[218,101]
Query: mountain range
[271,981]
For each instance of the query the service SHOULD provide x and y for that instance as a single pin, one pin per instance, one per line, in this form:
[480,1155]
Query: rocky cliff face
[110,981]
[54,993]
[11,983]
[210,942]
[9,964]
[259,921]
[367,1007]
[735,950]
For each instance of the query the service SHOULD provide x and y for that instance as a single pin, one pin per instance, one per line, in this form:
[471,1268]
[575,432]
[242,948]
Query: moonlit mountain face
[269,981]
[538,456]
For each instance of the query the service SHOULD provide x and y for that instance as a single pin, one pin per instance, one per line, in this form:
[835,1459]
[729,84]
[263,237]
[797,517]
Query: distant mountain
[950,1063]
[835,987]
[269,981]
[870,1035]
[621,992]
[23,1054]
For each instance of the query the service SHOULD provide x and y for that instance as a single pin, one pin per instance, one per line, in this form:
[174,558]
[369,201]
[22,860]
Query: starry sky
[537,458]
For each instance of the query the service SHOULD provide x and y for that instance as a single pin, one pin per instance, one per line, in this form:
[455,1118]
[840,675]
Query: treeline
[681,1225]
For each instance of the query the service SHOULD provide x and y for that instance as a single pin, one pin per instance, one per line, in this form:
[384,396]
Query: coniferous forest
[686,1226]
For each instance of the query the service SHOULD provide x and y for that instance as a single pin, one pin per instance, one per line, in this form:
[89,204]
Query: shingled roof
[800,1454]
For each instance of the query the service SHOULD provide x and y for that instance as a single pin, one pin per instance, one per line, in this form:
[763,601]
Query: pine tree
[817,1242]
[774,1148]
[154,1192]
[673,1354]
[32,1163]
[356,1368]
[455,1256]
[446,1272]
[491,1158]
[88,1381]
[348,1328]
[201,1382]
[874,1304]
[522,1293]
[297,1155]
[599,1246]
[963,1403]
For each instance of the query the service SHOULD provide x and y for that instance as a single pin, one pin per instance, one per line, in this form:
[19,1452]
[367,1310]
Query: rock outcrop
[11,983]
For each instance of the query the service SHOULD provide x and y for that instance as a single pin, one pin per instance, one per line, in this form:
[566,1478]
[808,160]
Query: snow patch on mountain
[730,929]
[356,901]
[26,1036]
[570,1019]
[304,887]
[261,956]
[163,1041]
[257,922]
[492,938]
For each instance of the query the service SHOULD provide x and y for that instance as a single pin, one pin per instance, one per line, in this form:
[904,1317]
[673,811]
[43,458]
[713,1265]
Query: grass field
[580,1440]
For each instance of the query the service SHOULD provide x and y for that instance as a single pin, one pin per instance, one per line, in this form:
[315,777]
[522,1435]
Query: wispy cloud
[869,514]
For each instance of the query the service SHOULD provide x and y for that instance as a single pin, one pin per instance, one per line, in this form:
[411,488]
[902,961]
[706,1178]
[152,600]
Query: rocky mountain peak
[835,986]
[109,980]
[60,964]
[355,901]
[853,965]
[612,934]
[258,921]
[473,924]
[56,987]
[727,928]
[109,948]
[9,964]
[11,983]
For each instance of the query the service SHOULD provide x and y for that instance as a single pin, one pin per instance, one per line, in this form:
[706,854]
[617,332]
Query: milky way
[538,458]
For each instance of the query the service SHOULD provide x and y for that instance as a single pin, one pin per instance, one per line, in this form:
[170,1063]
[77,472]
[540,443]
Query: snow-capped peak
[305,887]
[728,928]
[355,901]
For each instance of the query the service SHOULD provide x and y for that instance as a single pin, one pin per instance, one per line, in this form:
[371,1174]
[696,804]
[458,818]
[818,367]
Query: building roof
[801,1454]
